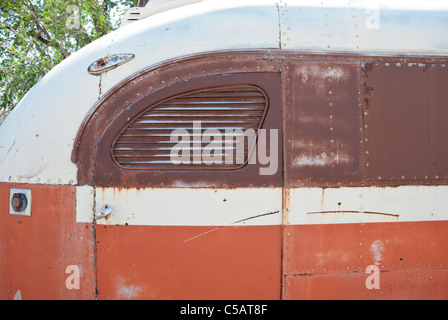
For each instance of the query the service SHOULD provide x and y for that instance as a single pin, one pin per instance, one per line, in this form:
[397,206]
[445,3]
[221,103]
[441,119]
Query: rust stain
[322,200]
[286,205]
[323,152]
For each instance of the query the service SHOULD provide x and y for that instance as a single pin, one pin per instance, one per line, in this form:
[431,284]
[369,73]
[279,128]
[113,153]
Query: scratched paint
[367,204]
[194,206]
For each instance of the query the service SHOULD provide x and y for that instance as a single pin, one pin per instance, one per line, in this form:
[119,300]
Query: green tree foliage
[35,35]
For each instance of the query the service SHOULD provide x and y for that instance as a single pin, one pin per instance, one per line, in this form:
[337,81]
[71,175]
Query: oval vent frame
[218,128]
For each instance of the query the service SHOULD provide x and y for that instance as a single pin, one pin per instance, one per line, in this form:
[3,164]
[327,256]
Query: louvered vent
[208,129]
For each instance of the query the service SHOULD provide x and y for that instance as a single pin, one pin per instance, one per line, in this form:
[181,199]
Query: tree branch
[42,29]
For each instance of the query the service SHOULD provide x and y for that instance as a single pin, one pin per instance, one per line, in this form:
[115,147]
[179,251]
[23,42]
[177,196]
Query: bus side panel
[189,262]
[46,255]
[338,261]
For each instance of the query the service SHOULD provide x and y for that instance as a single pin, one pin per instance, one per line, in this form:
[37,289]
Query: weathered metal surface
[36,251]
[322,124]
[40,156]
[355,119]
[129,99]
[363,26]
[191,206]
[420,284]
[404,122]
[64,97]
[330,261]
[366,204]
[156,262]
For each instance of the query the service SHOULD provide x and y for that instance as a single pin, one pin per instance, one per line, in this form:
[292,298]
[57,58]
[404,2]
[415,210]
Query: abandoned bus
[264,149]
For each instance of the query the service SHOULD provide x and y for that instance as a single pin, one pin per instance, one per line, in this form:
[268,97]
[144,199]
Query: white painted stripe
[367,204]
[263,206]
[365,26]
[85,199]
[191,207]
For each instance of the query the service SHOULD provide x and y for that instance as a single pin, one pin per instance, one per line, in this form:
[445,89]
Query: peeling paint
[311,71]
[126,291]
[323,159]
[377,251]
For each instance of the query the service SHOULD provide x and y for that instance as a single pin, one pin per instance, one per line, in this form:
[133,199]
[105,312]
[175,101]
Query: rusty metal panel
[330,261]
[36,251]
[92,151]
[189,262]
[322,123]
[404,130]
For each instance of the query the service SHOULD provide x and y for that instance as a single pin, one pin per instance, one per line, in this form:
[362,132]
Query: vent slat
[208,108]
[236,112]
[182,122]
[204,126]
[202,113]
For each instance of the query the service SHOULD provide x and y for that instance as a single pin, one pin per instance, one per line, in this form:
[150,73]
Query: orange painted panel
[330,261]
[35,251]
[410,284]
[173,262]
